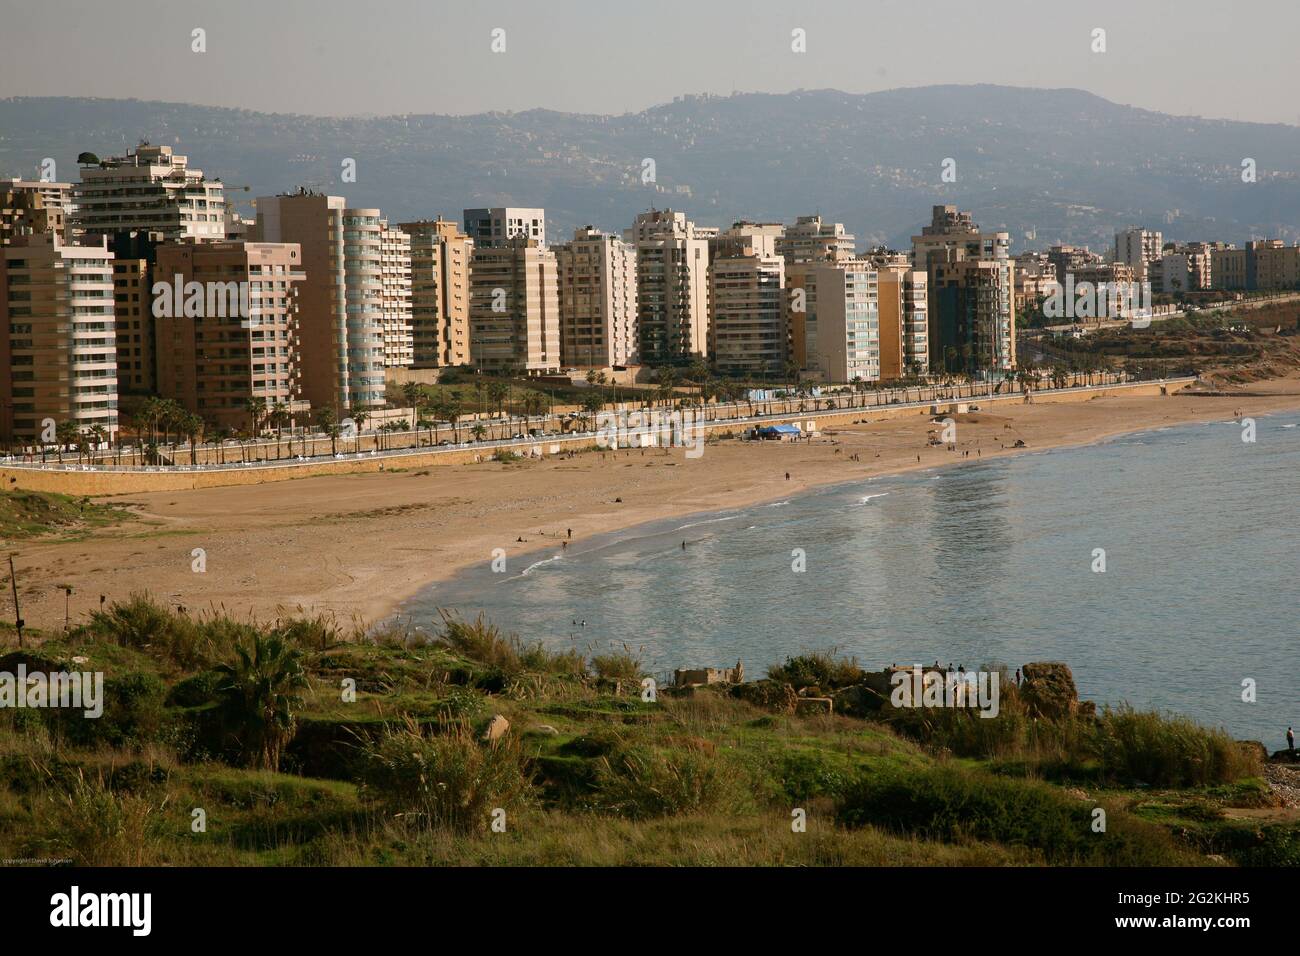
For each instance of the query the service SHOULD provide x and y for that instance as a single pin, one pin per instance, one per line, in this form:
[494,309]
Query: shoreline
[361,546]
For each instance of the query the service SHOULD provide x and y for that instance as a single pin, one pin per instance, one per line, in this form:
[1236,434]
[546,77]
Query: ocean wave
[538,564]
[692,524]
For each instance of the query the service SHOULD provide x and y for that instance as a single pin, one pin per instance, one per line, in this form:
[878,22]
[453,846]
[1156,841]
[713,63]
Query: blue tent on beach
[779,431]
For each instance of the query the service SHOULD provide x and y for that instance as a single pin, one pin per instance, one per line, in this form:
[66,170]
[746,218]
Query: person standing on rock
[1290,740]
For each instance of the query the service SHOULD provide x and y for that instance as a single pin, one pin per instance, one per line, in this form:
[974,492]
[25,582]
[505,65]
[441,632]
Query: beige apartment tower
[440,262]
[32,207]
[514,308]
[56,339]
[808,242]
[672,287]
[747,334]
[848,321]
[242,343]
[903,294]
[340,302]
[598,300]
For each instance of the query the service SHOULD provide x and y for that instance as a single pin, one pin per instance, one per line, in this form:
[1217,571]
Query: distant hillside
[1060,165]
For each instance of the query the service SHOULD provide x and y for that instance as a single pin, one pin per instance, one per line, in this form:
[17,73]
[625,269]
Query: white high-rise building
[1138,248]
[494,227]
[150,189]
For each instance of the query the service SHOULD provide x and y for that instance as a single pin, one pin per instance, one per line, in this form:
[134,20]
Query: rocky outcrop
[1048,690]
[496,729]
[768,694]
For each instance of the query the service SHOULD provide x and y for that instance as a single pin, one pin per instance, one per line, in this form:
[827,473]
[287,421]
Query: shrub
[620,665]
[640,781]
[953,805]
[259,697]
[485,643]
[819,669]
[448,779]
[1168,751]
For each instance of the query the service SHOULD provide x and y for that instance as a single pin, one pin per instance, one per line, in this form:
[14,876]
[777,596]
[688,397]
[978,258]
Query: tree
[256,408]
[259,696]
[452,411]
[192,425]
[98,434]
[279,414]
[593,404]
[66,433]
[478,431]
[498,392]
[328,420]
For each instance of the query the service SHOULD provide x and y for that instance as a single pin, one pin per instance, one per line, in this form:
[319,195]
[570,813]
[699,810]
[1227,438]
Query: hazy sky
[1197,57]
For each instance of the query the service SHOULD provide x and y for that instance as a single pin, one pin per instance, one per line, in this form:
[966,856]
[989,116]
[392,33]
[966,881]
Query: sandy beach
[358,545]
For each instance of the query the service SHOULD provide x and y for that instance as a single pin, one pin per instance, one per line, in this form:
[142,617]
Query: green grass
[588,773]
[33,514]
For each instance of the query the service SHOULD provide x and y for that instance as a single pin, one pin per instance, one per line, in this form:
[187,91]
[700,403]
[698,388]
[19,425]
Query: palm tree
[498,392]
[98,434]
[413,393]
[451,410]
[359,416]
[192,425]
[259,696]
[256,408]
[478,431]
[534,405]
[279,413]
[66,433]
[593,404]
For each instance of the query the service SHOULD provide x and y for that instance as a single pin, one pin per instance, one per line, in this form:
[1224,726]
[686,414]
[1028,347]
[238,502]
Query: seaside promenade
[537,437]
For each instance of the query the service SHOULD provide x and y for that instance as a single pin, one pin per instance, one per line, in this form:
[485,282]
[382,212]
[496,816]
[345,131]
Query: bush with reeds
[449,779]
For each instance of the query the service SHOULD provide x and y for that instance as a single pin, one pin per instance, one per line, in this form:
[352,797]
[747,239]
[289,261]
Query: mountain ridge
[1047,165]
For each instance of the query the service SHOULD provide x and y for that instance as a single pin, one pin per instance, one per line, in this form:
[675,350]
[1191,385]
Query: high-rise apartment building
[808,242]
[56,338]
[971,287]
[672,287]
[395,304]
[440,263]
[812,240]
[747,331]
[240,341]
[340,302]
[1138,248]
[848,321]
[133,270]
[598,300]
[498,225]
[903,294]
[514,308]
[150,189]
[747,238]
[32,207]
